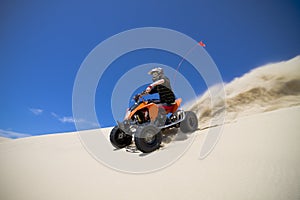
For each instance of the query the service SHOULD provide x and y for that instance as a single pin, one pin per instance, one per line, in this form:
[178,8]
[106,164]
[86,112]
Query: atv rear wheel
[119,138]
[190,123]
[148,139]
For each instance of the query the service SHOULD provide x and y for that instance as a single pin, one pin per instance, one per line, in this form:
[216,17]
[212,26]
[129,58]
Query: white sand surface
[3,139]
[257,157]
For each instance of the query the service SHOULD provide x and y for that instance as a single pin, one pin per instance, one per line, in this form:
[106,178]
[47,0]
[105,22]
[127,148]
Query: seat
[172,108]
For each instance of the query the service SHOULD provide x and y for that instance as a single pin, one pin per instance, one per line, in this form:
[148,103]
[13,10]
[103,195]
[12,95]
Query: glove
[137,97]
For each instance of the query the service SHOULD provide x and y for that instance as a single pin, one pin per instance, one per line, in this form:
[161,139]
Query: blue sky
[43,44]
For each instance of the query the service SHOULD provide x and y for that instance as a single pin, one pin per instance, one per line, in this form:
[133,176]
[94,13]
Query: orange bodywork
[153,109]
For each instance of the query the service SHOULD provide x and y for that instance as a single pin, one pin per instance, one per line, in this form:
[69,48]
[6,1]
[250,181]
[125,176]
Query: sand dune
[266,88]
[257,156]
[3,139]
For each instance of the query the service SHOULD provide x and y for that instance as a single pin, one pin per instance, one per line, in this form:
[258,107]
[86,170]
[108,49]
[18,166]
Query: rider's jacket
[165,92]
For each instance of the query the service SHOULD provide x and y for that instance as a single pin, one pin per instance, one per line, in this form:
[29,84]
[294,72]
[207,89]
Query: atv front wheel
[148,139]
[190,123]
[119,138]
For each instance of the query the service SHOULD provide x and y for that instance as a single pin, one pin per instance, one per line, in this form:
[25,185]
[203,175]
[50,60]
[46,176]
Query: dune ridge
[266,88]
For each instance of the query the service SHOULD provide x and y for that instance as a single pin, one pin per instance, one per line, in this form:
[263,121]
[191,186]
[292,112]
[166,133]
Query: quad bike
[145,121]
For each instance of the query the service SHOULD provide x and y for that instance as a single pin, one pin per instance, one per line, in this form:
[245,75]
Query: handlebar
[137,97]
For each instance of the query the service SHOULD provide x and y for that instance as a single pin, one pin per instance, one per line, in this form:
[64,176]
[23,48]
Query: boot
[161,118]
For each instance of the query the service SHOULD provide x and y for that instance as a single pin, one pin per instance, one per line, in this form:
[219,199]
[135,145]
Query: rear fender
[177,105]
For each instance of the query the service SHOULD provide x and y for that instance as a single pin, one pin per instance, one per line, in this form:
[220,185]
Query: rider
[161,85]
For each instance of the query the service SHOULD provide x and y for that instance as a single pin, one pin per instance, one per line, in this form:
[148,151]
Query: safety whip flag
[202,44]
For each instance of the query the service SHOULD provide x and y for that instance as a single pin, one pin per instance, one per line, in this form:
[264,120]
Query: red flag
[202,44]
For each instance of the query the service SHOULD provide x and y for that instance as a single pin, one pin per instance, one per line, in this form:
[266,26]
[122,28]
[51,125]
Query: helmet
[157,73]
